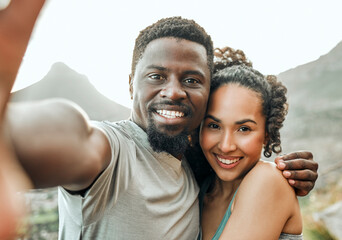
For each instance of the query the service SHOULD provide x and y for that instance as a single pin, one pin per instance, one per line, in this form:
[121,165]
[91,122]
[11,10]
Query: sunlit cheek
[252,146]
[208,141]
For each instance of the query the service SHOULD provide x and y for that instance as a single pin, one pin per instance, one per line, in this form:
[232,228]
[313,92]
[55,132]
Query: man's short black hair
[176,27]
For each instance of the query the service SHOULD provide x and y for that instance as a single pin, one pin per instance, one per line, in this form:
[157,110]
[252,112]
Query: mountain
[63,82]
[317,84]
[314,120]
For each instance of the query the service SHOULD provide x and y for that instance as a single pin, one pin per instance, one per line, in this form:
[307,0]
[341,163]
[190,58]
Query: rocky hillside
[315,117]
[63,82]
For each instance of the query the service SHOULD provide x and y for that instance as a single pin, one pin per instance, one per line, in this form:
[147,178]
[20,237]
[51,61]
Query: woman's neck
[223,189]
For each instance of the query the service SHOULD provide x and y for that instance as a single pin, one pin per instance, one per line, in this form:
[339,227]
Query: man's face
[171,86]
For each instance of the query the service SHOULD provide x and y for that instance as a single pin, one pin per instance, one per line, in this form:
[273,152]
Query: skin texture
[172,75]
[239,137]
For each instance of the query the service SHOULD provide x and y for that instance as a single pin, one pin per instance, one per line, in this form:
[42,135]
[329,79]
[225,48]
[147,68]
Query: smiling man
[170,87]
[128,179]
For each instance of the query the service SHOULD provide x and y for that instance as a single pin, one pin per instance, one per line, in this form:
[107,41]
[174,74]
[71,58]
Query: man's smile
[170,114]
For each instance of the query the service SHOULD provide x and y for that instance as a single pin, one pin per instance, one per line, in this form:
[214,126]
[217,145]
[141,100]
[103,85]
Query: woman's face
[233,131]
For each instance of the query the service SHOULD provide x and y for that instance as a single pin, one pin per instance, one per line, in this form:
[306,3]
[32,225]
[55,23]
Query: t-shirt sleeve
[114,180]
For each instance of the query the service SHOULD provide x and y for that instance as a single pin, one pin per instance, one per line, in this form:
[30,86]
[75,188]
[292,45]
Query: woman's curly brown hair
[232,66]
[227,57]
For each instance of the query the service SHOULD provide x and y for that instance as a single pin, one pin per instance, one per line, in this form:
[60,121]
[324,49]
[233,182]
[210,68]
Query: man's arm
[56,145]
[300,170]
[12,180]
[16,25]
[52,139]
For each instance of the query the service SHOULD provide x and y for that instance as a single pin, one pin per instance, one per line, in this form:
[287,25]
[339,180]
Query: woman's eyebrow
[212,117]
[246,120]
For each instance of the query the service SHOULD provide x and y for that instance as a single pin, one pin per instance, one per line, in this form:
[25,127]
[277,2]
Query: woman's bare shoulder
[264,178]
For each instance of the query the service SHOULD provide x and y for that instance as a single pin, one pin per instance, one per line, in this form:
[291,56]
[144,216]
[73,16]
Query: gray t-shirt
[140,195]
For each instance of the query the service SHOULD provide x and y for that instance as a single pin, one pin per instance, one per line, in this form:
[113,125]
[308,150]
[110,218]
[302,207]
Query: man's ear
[131,85]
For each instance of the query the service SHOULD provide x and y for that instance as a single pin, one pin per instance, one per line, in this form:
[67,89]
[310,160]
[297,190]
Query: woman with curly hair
[241,194]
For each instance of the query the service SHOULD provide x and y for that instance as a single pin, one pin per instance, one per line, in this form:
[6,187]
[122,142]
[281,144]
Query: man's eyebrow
[194,72]
[212,117]
[245,121]
[152,66]
[188,72]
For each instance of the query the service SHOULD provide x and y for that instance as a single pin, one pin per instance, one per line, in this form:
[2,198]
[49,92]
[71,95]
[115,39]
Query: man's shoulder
[121,127]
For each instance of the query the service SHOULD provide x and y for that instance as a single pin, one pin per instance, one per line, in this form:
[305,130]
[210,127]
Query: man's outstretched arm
[52,140]
[300,170]
[16,24]
[55,143]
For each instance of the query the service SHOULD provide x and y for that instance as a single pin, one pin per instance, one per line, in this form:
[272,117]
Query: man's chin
[171,139]
[169,130]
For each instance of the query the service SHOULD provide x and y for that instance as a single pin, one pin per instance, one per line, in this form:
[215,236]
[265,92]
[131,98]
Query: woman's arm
[264,204]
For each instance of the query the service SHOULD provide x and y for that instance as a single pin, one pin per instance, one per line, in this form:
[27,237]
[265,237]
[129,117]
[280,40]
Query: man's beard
[162,142]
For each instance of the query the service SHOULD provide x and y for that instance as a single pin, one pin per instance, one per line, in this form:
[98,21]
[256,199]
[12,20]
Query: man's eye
[191,81]
[156,77]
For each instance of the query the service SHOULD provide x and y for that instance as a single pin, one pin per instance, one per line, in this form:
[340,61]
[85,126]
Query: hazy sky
[96,37]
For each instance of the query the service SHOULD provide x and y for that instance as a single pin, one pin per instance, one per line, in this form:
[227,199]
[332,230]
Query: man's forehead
[172,43]
[174,49]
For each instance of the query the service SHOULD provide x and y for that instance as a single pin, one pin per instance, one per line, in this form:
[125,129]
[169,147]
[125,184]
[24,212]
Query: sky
[96,37]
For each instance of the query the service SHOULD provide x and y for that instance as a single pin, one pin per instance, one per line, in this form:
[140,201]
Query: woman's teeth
[226,161]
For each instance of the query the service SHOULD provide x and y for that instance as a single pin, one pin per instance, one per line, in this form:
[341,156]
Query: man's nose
[173,89]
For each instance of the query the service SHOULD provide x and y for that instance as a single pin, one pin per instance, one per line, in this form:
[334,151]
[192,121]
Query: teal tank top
[204,188]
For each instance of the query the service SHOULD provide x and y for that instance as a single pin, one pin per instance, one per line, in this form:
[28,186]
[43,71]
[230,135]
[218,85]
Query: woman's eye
[244,129]
[213,125]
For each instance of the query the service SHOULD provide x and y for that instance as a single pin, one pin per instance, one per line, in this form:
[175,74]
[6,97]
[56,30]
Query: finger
[302,188]
[16,24]
[299,164]
[301,175]
[280,163]
[296,155]
[27,7]
[19,18]
[301,193]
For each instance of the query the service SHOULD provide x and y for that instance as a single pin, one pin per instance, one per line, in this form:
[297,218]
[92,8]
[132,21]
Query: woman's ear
[131,85]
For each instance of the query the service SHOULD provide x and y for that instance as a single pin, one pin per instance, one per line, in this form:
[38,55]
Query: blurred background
[81,50]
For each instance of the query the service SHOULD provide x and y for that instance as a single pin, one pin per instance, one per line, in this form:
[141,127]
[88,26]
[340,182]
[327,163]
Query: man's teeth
[226,161]
[170,114]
